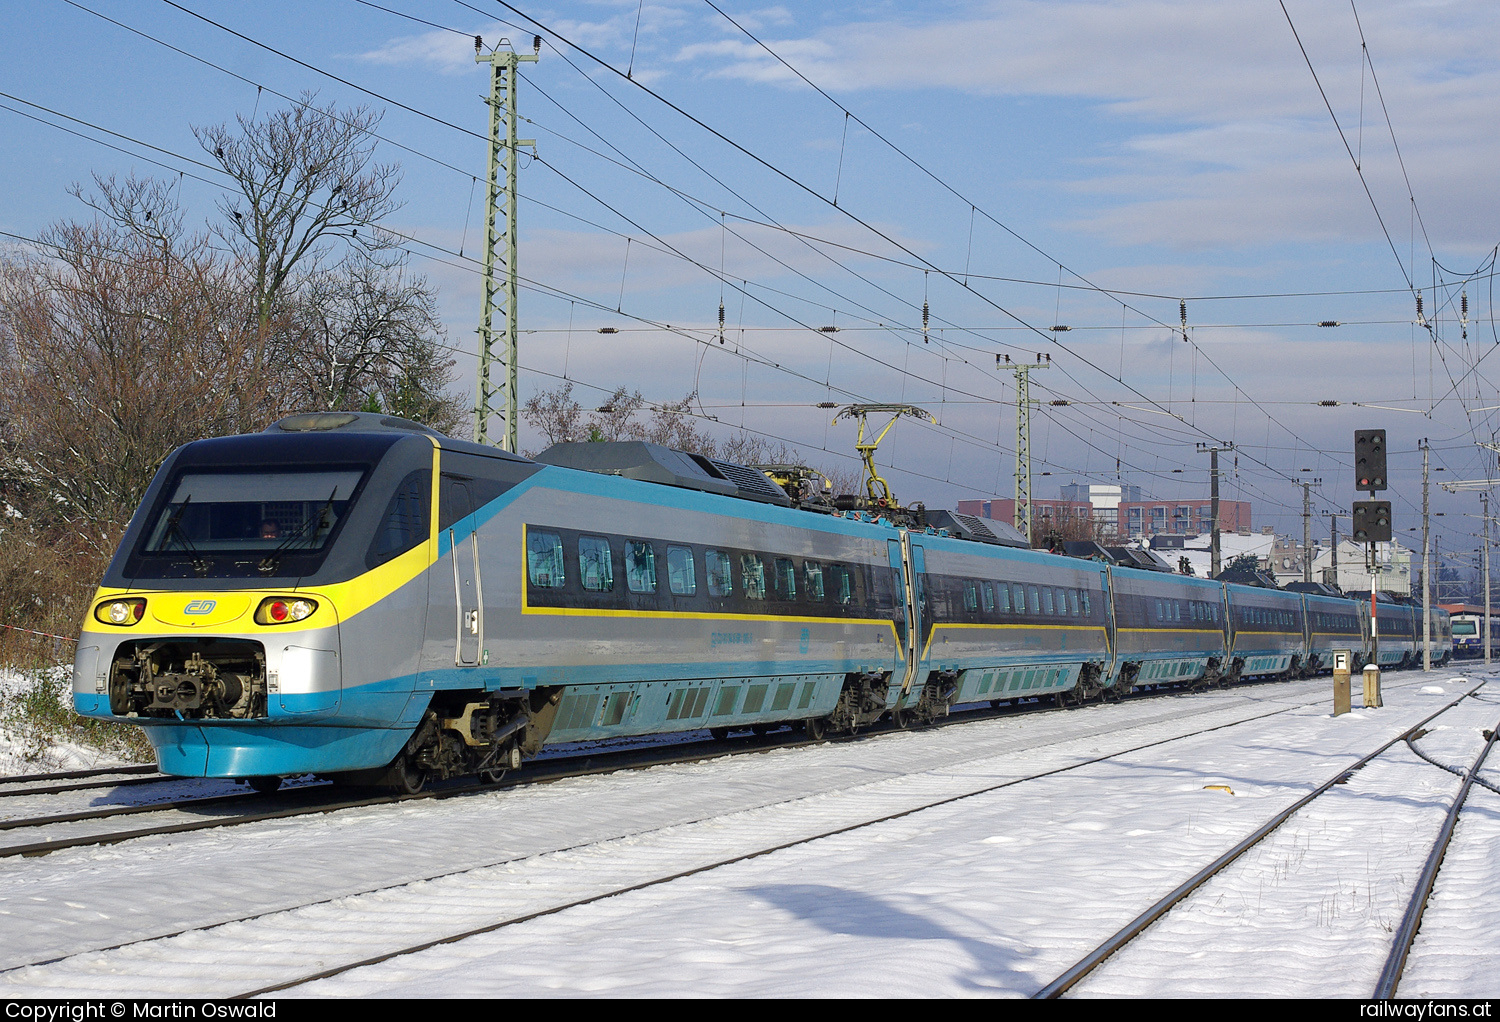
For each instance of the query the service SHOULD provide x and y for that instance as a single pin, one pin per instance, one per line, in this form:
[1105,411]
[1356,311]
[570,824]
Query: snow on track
[1327,890]
[1457,950]
[996,893]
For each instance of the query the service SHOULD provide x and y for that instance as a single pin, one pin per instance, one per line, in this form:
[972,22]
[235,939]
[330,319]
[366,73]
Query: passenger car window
[720,582]
[640,566]
[754,574]
[812,580]
[786,579]
[843,584]
[544,560]
[595,566]
[682,575]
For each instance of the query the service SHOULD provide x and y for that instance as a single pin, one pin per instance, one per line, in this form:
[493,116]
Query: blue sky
[1180,149]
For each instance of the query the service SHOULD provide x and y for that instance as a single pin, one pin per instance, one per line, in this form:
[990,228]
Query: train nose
[197,611]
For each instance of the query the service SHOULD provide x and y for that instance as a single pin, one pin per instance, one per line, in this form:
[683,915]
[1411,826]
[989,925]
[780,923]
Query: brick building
[1181,517]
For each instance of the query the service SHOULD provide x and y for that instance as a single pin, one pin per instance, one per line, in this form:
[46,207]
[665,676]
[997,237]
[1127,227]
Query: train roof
[1317,589]
[653,463]
[376,422]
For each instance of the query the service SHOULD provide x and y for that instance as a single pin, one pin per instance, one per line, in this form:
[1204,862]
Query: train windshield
[227,523]
[1465,628]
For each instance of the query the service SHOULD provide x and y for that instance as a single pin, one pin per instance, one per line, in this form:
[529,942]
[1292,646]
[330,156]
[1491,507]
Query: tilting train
[358,597]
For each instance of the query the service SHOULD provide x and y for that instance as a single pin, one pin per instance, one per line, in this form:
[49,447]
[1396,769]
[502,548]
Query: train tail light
[284,610]
[120,612]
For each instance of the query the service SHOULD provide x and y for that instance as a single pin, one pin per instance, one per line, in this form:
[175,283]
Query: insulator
[1463,304]
[924,321]
[721,322]
[1182,308]
[1419,306]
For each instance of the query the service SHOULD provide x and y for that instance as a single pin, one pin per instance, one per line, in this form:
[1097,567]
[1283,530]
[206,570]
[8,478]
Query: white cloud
[1239,147]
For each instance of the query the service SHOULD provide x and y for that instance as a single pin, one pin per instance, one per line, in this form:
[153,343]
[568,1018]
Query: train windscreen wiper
[200,564]
[272,561]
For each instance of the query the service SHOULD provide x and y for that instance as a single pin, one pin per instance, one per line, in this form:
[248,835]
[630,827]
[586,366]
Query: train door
[1111,628]
[906,625]
[921,611]
[458,511]
[1227,608]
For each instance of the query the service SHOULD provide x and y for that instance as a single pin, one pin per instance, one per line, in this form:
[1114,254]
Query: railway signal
[1372,521]
[1369,460]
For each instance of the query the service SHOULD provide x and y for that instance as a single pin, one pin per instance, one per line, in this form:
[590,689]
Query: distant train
[358,597]
[1468,630]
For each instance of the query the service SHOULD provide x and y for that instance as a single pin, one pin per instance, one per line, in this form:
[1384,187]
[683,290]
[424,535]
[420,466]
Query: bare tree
[126,336]
[370,337]
[330,296]
[556,414]
[308,185]
[117,349]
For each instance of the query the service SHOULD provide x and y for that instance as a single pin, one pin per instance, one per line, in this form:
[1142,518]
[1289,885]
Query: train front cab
[265,612]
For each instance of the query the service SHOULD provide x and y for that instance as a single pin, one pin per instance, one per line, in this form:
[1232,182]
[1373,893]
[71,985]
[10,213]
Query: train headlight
[120,612]
[284,610]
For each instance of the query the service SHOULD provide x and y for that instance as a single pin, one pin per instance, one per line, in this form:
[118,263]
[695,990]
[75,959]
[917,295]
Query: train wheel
[817,728]
[719,733]
[901,718]
[406,778]
[264,785]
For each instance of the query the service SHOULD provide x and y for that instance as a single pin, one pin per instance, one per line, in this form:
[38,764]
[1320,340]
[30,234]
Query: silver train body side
[461,608]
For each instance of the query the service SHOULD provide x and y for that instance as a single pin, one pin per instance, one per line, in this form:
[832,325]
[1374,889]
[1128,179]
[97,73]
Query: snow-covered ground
[24,753]
[980,879]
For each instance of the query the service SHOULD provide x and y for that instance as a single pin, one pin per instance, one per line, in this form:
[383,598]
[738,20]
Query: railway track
[1387,985]
[458,892]
[20,834]
[79,780]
